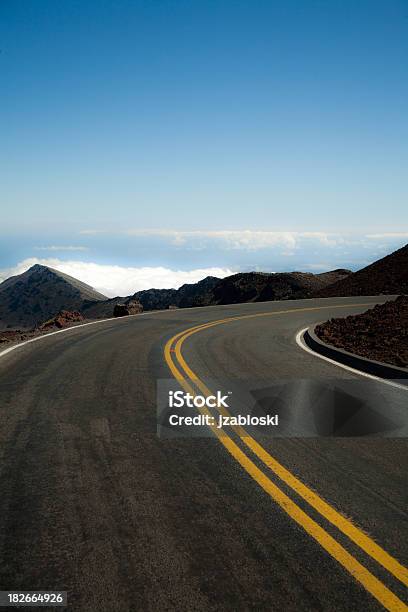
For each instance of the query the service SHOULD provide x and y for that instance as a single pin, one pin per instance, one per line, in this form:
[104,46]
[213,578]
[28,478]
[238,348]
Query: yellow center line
[368,580]
[346,526]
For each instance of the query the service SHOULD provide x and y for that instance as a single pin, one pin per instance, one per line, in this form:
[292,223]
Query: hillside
[189,294]
[261,287]
[388,276]
[38,294]
[242,287]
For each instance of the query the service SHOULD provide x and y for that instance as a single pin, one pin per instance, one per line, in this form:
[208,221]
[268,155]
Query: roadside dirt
[380,333]
[64,318]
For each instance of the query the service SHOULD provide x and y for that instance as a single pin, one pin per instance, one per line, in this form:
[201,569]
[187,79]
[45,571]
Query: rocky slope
[38,294]
[388,276]
[380,333]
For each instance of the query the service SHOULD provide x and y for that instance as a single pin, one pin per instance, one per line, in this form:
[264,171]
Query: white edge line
[301,343]
[60,331]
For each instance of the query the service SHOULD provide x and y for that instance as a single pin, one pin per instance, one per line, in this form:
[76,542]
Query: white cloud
[61,248]
[248,240]
[119,280]
[386,235]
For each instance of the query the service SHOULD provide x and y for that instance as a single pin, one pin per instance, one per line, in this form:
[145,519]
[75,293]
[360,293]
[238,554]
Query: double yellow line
[189,381]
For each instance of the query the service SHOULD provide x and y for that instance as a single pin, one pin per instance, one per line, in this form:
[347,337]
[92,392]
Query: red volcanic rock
[13,335]
[380,333]
[63,319]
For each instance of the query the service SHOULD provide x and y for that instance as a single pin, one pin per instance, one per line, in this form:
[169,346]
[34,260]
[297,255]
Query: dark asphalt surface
[93,502]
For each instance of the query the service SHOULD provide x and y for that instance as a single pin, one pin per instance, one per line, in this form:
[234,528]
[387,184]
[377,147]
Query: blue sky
[191,135]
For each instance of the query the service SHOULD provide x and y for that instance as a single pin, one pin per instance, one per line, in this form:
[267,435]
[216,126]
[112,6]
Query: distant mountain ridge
[189,294]
[40,293]
[238,288]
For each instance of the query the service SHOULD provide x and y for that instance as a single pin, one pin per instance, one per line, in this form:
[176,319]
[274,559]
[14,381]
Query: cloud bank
[190,255]
[119,280]
[248,240]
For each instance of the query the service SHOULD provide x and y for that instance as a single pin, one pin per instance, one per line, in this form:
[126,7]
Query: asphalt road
[94,503]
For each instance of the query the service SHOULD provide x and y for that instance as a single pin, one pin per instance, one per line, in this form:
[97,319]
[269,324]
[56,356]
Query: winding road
[93,502]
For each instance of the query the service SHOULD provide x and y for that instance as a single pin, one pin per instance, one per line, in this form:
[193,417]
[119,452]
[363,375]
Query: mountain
[242,287]
[262,287]
[388,276]
[38,294]
[189,294]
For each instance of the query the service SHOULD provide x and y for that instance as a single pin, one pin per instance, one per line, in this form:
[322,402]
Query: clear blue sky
[200,115]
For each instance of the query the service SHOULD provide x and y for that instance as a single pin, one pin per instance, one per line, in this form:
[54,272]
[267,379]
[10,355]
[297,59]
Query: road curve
[93,502]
